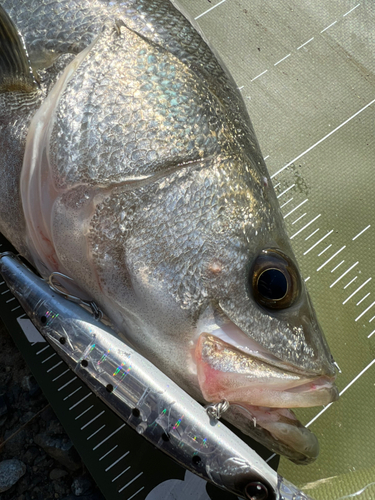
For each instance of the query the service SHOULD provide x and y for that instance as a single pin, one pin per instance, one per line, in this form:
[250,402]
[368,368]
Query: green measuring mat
[306,71]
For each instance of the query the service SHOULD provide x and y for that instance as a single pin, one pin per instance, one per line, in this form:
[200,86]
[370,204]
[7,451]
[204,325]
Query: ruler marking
[338,265]
[332,257]
[365,311]
[308,41]
[44,348]
[121,473]
[285,191]
[130,482]
[332,24]
[358,289]
[361,232]
[71,394]
[304,227]
[65,385]
[116,462]
[312,234]
[136,493]
[286,203]
[299,218]
[80,401]
[49,357]
[208,10]
[259,75]
[357,377]
[15,309]
[54,366]
[10,300]
[98,430]
[344,274]
[104,440]
[84,411]
[92,420]
[283,59]
[61,374]
[351,10]
[323,251]
[350,282]
[323,138]
[319,241]
[108,452]
[363,298]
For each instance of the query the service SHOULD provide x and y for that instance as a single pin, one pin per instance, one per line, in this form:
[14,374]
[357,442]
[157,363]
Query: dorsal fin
[16,74]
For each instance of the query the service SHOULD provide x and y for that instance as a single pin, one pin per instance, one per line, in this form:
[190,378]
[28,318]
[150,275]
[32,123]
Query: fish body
[131,166]
[144,397]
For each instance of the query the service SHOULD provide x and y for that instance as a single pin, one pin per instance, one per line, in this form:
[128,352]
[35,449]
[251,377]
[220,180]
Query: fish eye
[275,280]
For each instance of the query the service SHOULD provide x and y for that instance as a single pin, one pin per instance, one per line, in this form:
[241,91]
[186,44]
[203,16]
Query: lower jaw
[277,429]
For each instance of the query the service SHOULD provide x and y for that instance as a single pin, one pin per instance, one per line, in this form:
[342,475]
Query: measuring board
[306,71]
[123,463]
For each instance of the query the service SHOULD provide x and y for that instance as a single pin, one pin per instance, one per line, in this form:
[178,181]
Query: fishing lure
[144,397]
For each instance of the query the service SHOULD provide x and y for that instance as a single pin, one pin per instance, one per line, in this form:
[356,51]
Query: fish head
[206,285]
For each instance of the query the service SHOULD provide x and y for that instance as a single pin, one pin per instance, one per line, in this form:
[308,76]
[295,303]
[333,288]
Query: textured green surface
[319,89]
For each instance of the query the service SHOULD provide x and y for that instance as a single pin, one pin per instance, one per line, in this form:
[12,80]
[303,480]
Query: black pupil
[256,491]
[272,284]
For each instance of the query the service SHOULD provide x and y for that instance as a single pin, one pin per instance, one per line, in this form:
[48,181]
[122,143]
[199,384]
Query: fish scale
[142,181]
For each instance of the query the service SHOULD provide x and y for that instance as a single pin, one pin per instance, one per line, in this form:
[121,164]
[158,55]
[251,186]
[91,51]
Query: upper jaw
[232,366]
[225,372]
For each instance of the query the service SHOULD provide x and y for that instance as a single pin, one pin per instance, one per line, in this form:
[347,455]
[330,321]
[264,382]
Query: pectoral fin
[16,74]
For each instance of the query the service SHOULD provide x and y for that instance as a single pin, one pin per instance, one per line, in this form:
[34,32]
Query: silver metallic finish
[135,170]
[216,410]
[139,393]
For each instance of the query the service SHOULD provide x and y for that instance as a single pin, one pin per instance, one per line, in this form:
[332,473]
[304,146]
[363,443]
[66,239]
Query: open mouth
[260,389]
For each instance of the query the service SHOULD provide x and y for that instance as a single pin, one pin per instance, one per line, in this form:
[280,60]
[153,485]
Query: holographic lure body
[145,398]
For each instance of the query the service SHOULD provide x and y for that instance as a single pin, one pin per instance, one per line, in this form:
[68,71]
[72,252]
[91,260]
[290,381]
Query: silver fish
[142,395]
[129,164]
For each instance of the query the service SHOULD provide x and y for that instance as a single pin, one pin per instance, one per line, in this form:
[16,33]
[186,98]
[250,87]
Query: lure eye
[275,280]
[256,491]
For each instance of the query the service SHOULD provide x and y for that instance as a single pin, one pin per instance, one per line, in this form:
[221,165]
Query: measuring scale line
[338,265]
[363,298]
[304,227]
[312,234]
[136,493]
[121,473]
[116,461]
[96,432]
[323,138]
[344,274]
[108,437]
[364,312]
[350,282]
[130,482]
[319,241]
[92,420]
[358,289]
[361,232]
[332,257]
[209,10]
[108,452]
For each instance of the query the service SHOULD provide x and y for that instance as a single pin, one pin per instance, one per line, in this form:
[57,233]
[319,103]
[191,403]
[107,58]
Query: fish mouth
[261,389]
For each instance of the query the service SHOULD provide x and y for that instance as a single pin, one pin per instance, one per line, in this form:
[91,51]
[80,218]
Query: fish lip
[266,357]
[225,375]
